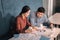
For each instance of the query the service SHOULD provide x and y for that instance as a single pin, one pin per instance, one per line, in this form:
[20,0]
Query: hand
[28,31]
[35,28]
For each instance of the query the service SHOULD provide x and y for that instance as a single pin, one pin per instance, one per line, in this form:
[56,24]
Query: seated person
[21,20]
[39,18]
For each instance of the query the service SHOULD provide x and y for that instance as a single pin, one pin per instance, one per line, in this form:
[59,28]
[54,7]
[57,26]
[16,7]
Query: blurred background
[9,9]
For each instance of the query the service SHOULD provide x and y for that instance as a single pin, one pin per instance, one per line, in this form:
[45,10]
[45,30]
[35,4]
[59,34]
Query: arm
[46,19]
[28,23]
[48,22]
[19,28]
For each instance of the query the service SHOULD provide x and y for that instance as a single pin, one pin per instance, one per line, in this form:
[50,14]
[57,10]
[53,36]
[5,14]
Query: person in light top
[39,17]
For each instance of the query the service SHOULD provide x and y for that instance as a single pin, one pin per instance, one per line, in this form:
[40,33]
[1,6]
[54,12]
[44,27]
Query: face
[27,13]
[40,14]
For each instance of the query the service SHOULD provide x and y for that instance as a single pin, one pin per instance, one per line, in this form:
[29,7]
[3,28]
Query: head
[40,12]
[25,11]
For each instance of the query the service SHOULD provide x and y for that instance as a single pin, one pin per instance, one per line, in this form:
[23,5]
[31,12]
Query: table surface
[36,35]
[55,18]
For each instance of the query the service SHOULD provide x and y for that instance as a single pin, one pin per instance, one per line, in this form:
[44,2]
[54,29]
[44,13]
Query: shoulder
[45,15]
[18,17]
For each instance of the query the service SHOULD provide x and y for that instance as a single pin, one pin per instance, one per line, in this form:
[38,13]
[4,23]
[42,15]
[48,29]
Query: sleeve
[19,29]
[46,22]
[46,19]
[28,23]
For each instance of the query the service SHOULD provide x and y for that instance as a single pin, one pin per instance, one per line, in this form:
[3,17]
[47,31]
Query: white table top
[55,18]
[35,35]
[26,36]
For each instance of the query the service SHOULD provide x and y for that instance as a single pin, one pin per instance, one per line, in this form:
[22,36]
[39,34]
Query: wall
[49,6]
[45,5]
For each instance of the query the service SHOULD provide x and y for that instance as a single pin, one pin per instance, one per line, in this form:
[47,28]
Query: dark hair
[25,9]
[41,9]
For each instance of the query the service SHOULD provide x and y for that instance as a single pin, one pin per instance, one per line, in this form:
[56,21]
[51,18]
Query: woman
[21,22]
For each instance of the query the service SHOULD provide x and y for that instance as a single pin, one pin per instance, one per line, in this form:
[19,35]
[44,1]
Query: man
[39,18]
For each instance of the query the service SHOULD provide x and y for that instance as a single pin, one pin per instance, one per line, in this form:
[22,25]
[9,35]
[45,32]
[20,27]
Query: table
[55,18]
[26,36]
[36,35]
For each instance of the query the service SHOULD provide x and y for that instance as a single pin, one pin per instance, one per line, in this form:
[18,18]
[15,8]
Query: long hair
[25,9]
